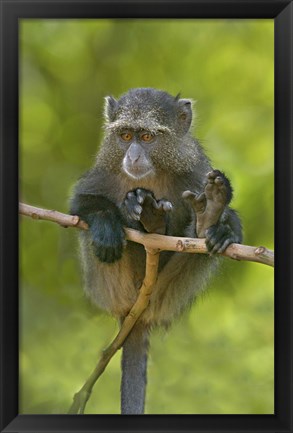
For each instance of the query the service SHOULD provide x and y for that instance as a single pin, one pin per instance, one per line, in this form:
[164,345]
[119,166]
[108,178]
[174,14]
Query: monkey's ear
[184,114]
[110,108]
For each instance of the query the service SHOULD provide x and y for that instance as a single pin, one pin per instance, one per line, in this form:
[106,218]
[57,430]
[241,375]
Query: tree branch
[157,242]
[82,396]
[153,244]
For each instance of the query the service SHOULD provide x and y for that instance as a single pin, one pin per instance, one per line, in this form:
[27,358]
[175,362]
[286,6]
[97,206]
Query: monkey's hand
[209,207]
[108,238]
[141,205]
[105,224]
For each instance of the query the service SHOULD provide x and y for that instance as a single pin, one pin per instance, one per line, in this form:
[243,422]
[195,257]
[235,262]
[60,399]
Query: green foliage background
[218,359]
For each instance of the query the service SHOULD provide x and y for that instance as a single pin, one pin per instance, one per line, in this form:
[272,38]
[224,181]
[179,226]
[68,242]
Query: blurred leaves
[219,357]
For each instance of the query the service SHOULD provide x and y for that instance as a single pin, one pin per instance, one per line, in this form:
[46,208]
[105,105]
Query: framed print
[148,126]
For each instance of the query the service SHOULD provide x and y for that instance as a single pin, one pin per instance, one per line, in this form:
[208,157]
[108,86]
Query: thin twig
[158,242]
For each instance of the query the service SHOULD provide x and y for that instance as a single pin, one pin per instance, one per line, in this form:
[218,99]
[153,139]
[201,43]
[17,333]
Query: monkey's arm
[104,220]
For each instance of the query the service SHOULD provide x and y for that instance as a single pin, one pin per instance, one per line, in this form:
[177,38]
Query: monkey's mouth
[137,171]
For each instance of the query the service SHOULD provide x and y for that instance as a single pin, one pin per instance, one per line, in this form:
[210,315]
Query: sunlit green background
[218,359]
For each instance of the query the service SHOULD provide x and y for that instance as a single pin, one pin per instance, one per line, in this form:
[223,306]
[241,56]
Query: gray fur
[134,371]
[177,163]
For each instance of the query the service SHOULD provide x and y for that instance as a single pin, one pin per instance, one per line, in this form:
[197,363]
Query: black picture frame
[282,13]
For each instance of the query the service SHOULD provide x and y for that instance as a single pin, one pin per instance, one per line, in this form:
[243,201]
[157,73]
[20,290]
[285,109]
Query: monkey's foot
[209,205]
[141,205]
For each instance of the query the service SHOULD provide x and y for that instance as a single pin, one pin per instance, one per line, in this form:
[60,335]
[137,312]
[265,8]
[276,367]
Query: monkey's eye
[147,137]
[126,136]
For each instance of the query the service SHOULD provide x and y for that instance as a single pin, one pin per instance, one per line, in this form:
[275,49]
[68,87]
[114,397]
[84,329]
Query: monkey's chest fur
[114,287]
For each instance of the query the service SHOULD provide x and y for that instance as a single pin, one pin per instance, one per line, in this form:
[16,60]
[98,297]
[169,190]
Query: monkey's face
[146,132]
[137,146]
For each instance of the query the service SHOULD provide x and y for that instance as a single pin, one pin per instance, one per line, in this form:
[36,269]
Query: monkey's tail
[134,370]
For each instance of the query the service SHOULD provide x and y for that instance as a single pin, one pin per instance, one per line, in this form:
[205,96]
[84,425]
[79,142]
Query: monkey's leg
[141,205]
[214,220]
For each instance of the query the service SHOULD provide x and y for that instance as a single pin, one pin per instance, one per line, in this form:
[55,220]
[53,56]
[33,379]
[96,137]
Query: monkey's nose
[133,154]
[134,159]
